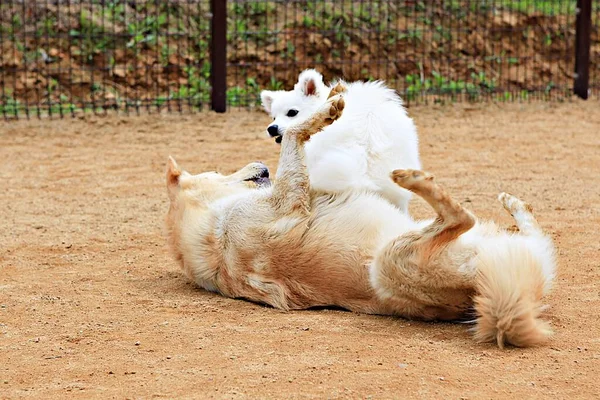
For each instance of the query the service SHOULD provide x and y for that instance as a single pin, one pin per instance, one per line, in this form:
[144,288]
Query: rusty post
[218,55]
[582,48]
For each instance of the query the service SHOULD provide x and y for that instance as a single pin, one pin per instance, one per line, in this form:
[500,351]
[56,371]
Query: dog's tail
[510,286]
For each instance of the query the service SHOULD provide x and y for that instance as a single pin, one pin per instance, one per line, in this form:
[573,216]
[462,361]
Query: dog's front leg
[291,188]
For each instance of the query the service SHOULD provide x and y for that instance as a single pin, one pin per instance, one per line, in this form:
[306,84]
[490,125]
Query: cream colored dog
[293,248]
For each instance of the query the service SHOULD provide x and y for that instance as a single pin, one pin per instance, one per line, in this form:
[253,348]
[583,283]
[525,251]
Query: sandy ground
[92,306]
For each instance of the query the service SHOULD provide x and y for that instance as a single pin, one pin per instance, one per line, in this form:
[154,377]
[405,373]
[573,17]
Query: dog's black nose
[273,130]
[264,173]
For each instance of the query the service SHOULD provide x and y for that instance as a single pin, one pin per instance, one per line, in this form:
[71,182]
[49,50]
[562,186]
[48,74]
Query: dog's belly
[364,219]
[324,261]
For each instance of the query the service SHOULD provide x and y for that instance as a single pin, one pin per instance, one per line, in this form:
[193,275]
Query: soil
[93,306]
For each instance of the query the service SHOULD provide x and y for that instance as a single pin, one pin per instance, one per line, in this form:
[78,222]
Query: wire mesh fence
[61,57]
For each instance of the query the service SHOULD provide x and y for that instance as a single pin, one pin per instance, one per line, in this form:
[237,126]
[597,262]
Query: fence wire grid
[59,58]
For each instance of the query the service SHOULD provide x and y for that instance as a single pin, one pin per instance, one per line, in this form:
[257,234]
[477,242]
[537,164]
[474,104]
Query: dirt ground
[92,305]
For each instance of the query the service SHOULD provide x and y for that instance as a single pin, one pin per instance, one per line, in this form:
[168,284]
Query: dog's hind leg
[540,244]
[521,212]
[427,275]
[417,269]
[291,187]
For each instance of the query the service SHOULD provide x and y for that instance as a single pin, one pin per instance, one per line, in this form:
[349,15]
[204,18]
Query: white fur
[373,137]
[484,237]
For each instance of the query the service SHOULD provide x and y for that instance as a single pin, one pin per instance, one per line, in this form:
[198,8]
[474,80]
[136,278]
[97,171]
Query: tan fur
[294,248]
[508,298]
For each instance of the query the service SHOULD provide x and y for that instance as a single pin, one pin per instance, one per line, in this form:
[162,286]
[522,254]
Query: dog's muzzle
[273,131]
[261,178]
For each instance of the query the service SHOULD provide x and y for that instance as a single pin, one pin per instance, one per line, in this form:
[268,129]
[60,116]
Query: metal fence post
[218,55]
[582,48]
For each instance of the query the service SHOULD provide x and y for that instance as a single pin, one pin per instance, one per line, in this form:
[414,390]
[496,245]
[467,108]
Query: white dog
[372,138]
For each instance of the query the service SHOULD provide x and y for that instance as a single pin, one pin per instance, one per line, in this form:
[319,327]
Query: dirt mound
[155,54]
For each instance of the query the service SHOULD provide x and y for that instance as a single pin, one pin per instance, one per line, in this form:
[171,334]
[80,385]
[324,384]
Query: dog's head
[202,189]
[294,106]
[190,198]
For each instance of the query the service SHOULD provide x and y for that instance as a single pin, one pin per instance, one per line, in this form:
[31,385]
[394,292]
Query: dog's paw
[333,108]
[329,112]
[513,204]
[337,89]
[408,178]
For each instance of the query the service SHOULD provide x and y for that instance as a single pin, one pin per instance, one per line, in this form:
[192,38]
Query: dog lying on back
[374,137]
[293,247]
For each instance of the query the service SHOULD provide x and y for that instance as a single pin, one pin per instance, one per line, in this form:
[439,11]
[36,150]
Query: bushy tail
[510,286]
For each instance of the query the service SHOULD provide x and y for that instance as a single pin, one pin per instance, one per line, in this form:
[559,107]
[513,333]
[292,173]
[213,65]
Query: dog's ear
[267,97]
[310,83]
[173,174]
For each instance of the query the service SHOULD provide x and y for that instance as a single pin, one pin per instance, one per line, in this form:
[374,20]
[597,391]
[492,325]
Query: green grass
[10,106]
[197,91]
[249,95]
[437,84]
[546,7]
[13,108]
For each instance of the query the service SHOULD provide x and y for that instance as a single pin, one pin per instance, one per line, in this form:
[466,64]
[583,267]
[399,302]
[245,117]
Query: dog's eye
[292,113]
